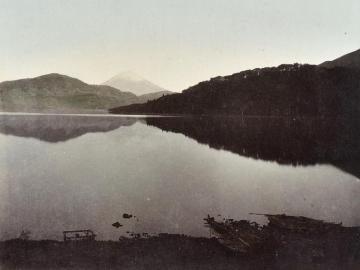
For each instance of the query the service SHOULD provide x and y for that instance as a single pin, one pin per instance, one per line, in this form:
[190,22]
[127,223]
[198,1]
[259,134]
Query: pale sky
[173,43]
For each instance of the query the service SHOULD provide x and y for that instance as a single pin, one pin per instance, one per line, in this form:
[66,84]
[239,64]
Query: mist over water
[83,172]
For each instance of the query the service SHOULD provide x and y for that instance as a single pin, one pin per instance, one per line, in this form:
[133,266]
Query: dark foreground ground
[174,252]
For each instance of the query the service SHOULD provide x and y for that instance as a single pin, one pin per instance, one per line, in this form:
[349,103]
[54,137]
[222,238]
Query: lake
[67,172]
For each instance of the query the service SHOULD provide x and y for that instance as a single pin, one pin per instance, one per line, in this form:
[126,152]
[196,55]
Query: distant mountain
[286,90]
[351,60]
[130,81]
[59,93]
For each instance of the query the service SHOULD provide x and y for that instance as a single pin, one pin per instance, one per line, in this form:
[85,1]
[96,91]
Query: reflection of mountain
[284,140]
[58,128]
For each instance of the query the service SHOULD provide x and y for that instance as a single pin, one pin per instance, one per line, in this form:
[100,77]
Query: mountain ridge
[351,60]
[56,92]
[286,90]
[329,89]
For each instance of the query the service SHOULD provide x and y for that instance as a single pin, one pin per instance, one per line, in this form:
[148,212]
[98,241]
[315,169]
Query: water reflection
[59,128]
[287,141]
[170,182]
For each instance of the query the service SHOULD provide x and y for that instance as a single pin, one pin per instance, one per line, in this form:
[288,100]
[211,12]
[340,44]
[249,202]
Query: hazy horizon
[173,44]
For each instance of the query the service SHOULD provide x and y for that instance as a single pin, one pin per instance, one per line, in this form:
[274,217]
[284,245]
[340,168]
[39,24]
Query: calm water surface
[83,172]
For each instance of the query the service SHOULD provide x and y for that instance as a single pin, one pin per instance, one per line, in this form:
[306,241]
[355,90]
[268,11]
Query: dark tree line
[286,90]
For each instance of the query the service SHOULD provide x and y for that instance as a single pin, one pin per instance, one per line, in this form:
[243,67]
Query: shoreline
[106,113]
[287,242]
[166,252]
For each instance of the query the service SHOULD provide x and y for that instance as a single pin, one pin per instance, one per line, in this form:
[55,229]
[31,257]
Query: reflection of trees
[284,140]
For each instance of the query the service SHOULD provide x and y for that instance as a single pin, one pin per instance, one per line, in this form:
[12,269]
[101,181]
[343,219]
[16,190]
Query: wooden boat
[245,236]
[300,224]
[241,236]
